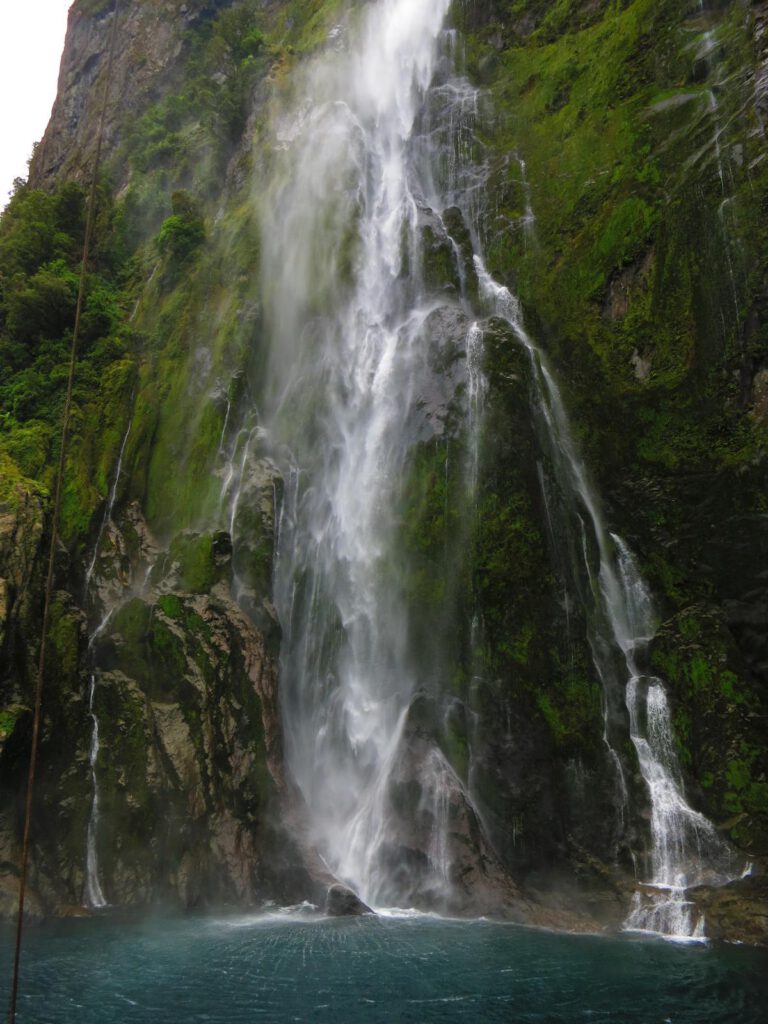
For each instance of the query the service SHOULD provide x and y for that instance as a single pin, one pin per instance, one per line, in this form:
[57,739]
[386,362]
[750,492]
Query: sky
[31,41]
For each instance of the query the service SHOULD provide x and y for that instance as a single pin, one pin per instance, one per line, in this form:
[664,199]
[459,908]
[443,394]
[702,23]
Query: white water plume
[347,317]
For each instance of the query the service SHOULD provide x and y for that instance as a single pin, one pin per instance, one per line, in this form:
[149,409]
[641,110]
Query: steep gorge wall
[633,136]
[645,276]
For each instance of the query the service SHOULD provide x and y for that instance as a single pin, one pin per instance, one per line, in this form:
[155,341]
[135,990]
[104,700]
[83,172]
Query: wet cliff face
[625,200]
[644,272]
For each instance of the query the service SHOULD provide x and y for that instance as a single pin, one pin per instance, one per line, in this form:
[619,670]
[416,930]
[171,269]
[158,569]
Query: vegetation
[643,276]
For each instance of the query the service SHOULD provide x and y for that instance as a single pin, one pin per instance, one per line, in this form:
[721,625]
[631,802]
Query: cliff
[626,184]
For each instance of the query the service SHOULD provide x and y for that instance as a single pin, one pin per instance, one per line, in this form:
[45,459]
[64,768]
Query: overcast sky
[31,41]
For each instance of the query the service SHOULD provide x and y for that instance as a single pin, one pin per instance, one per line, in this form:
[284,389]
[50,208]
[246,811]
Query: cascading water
[109,506]
[347,312]
[94,895]
[686,849]
[347,305]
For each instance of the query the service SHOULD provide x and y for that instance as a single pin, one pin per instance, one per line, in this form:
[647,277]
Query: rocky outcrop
[737,912]
[342,902]
[189,767]
[149,44]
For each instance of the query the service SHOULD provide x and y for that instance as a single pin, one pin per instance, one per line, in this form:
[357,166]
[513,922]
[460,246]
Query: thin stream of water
[94,894]
[686,848]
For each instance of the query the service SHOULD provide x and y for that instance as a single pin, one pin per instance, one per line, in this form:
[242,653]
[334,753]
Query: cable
[54,527]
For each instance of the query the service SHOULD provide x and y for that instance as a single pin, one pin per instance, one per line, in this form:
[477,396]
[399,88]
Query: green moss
[197,567]
[167,656]
[171,605]
[716,717]
[457,747]
[64,638]
[571,706]
[551,716]
[631,256]
[9,716]
[625,233]
[12,482]
[181,235]
[737,774]
[132,621]
[438,262]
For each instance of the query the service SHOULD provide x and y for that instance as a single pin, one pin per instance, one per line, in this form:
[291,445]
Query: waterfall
[94,895]
[380,142]
[347,309]
[686,849]
[476,394]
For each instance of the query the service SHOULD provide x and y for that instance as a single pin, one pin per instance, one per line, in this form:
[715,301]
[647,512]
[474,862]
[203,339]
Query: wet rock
[253,536]
[438,377]
[456,227]
[127,549]
[437,854]
[21,543]
[342,902]
[737,912]
[187,699]
[624,287]
[190,766]
[9,899]
[439,264]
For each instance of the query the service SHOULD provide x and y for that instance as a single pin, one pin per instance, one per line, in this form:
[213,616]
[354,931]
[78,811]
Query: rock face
[189,771]
[737,912]
[21,569]
[149,44]
[186,693]
[624,182]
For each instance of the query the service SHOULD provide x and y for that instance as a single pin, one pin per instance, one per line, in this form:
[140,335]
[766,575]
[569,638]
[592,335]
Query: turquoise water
[364,971]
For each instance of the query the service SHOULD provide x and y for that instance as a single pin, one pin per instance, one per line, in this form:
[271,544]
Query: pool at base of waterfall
[296,966]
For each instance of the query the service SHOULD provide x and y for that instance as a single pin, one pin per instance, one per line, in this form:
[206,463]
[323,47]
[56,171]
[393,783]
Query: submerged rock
[342,902]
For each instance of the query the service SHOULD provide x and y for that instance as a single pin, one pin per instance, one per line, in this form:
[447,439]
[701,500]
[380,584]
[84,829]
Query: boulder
[342,902]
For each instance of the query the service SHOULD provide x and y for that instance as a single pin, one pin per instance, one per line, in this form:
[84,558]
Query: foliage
[41,238]
[182,234]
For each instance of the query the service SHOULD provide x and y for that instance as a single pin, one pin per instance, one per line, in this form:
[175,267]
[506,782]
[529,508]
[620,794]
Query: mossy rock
[718,719]
[438,261]
[201,560]
[144,645]
[66,643]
